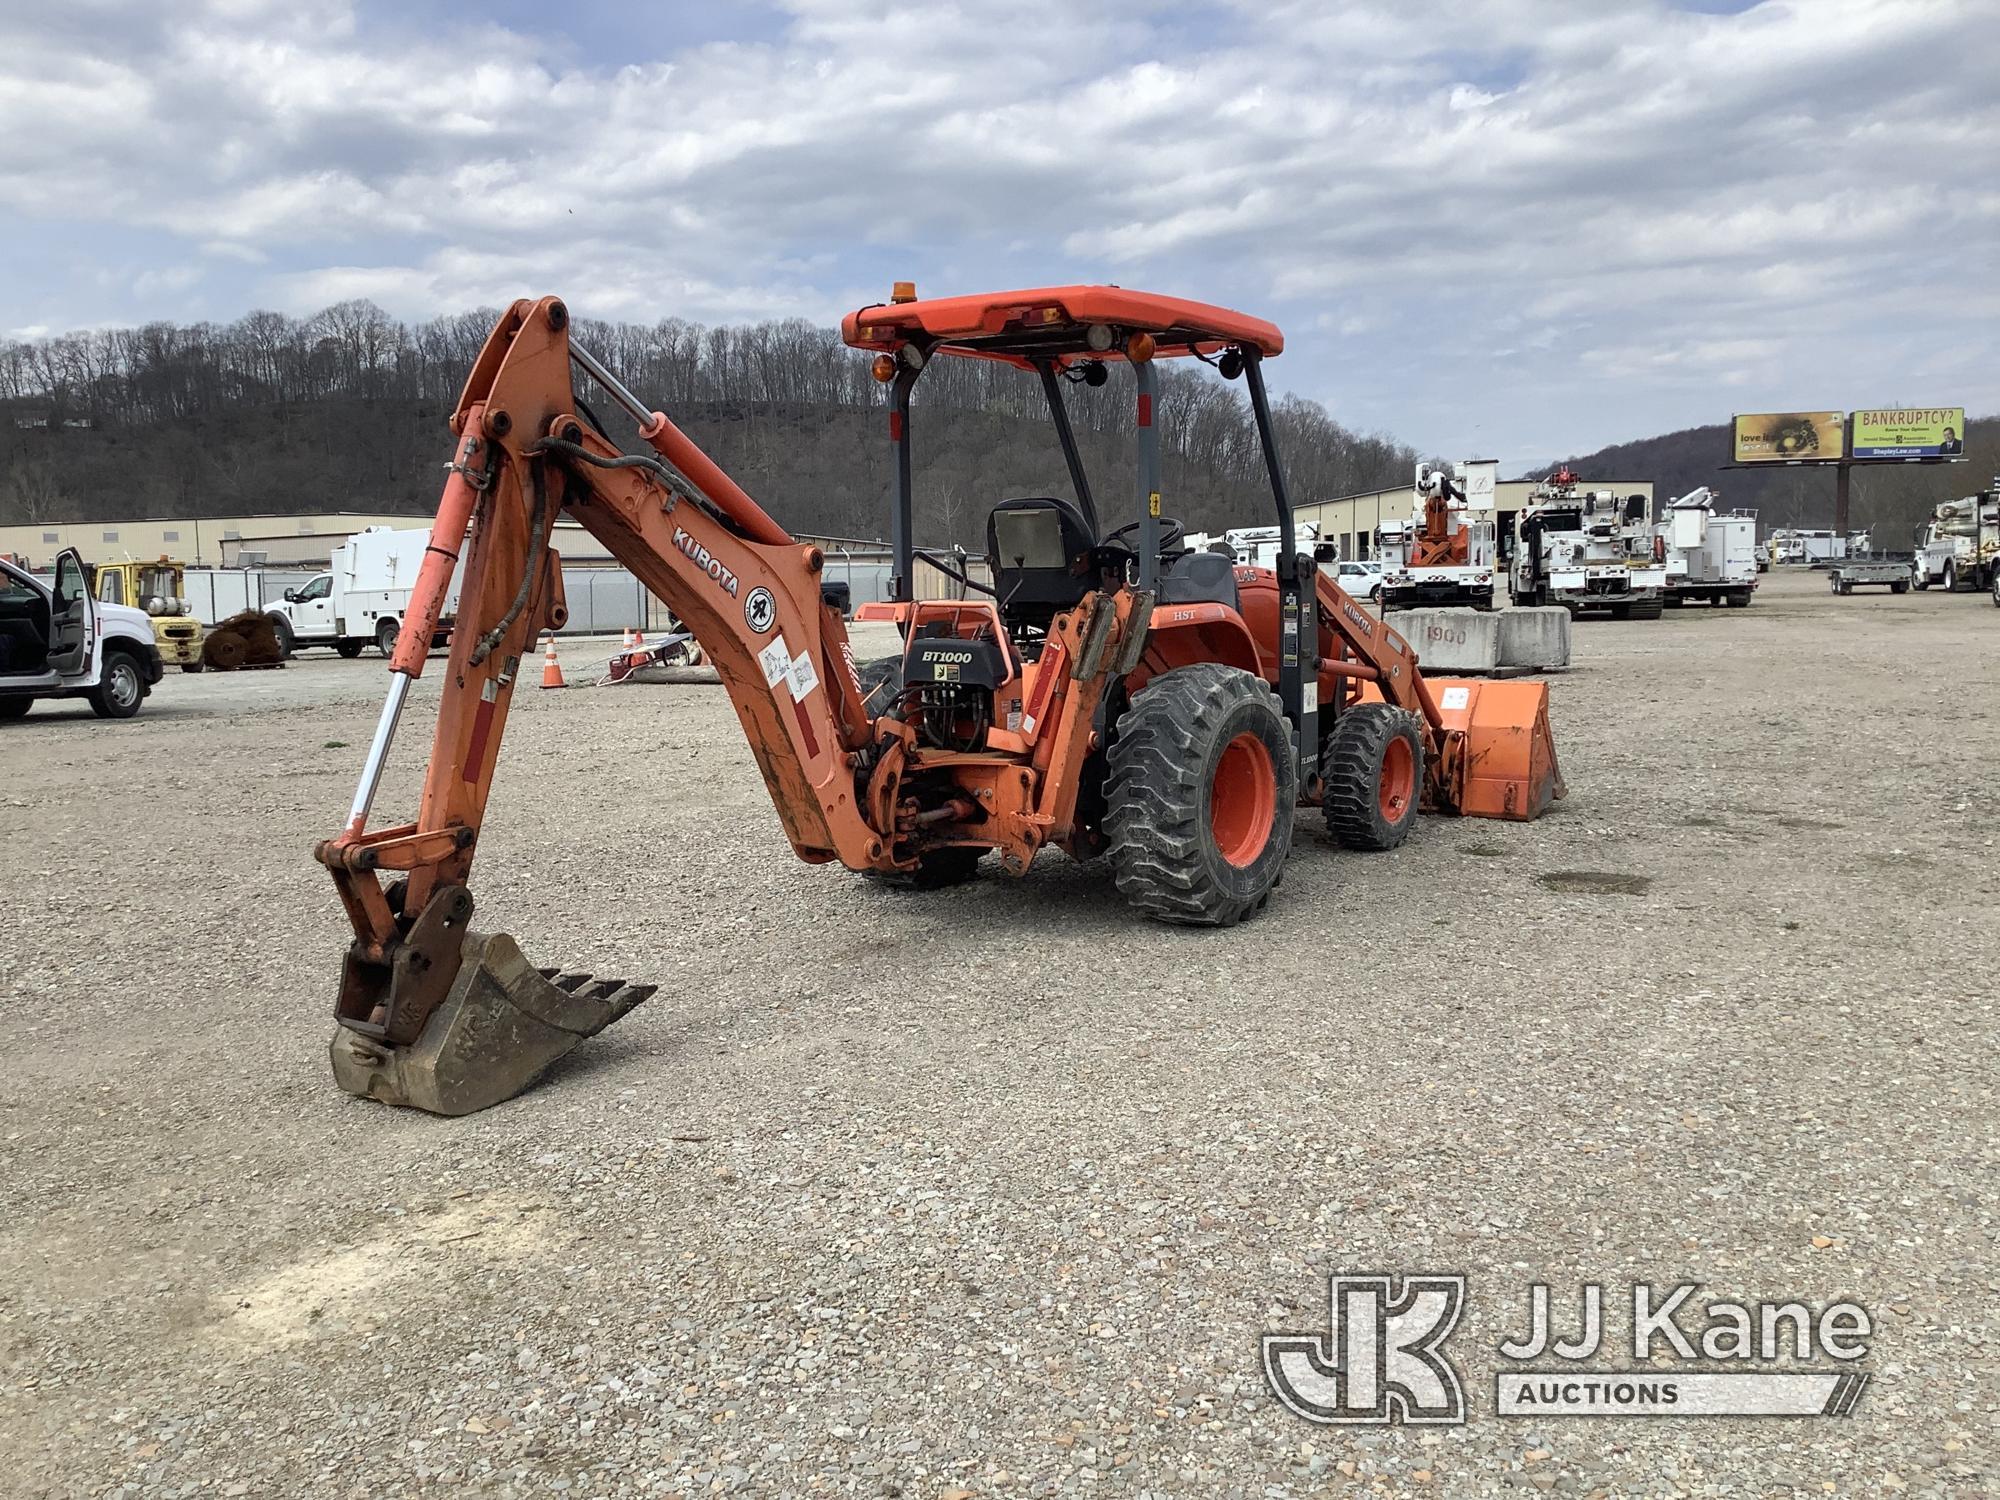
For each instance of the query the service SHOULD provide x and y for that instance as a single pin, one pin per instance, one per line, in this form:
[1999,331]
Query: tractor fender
[1182,635]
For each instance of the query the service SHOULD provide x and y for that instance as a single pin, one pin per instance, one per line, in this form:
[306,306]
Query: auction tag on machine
[776,660]
[804,678]
[1455,697]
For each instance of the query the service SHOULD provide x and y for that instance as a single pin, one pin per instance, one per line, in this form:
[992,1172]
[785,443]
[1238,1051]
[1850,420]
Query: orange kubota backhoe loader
[1115,692]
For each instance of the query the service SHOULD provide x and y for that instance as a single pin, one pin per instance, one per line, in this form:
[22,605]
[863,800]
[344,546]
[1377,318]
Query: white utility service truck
[361,600]
[1254,546]
[1443,554]
[1711,555]
[1960,548]
[1587,549]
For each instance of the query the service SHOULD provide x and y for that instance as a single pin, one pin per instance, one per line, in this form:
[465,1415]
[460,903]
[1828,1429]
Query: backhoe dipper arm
[747,590]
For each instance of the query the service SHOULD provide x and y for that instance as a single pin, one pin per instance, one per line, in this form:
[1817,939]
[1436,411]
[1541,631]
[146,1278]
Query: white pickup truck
[58,642]
[361,601]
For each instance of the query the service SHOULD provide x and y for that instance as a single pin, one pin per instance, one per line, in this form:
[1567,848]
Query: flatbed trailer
[1895,570]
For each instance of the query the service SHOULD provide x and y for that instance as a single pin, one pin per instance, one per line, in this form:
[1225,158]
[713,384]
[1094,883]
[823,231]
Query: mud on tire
[1373,769]
[1201,796]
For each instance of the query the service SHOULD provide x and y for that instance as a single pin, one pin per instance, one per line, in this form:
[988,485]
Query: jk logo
[1379,1360]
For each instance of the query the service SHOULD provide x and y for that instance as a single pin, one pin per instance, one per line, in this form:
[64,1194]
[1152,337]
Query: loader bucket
[497,1030]
[1507,767]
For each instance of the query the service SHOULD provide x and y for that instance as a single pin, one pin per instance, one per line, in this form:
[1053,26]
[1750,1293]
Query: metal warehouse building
[1352,519]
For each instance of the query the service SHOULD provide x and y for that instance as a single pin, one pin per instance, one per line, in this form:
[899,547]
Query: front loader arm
[1488,749]
[746,589]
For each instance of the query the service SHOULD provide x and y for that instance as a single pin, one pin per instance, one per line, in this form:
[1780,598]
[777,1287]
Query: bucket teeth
[615,993]
[501,1026]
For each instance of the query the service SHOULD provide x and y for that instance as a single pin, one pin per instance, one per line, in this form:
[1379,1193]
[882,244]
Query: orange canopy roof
[1052,323]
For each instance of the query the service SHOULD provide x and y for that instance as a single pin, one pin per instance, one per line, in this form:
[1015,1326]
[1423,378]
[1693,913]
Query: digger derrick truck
[1115,692]
[1586,550]
[1959,548]
[1444,553]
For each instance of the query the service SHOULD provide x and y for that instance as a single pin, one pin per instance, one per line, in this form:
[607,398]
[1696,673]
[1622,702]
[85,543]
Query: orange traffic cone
[551,668]
[626,641]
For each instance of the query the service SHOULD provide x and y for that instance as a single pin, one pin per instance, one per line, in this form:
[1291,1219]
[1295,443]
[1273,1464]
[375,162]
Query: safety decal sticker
[776,661]
[804,678]
[1455,697]
[760,610]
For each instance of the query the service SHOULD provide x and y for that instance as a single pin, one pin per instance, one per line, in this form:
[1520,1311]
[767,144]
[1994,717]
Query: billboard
[1778,437]
[1910,432]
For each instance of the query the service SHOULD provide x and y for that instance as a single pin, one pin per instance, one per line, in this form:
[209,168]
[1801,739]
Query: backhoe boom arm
[748,591]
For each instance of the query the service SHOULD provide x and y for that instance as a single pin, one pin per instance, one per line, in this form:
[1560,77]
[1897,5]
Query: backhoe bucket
[1507,768]
[497,1030]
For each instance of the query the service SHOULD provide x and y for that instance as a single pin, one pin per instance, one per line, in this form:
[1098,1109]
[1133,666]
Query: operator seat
[1200,578]
[1039,550]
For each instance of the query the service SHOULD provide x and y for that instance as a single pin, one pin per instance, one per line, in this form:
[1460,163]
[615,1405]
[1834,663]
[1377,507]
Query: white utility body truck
[361,600]
[1960,548]
[1587,549]
[1710,554]
[1444,553]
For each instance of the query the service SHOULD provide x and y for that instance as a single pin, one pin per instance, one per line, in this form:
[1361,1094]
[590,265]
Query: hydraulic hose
[537,537]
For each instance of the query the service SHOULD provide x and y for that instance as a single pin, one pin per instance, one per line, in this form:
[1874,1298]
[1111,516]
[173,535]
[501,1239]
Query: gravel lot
[991,1192]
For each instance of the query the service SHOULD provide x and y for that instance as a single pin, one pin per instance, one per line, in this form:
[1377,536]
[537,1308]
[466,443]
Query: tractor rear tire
[1373,770]
[1201,796]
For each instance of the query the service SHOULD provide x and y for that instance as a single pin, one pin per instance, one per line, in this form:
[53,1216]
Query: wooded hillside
[345,411]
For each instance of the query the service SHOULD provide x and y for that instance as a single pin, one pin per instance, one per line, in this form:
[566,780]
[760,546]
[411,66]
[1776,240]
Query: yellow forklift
[160,589]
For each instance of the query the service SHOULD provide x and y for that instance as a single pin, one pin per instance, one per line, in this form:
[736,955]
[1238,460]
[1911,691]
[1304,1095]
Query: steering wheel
[1172,533]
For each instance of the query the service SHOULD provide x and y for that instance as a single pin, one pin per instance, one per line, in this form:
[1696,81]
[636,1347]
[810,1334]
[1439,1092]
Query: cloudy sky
[1511,228]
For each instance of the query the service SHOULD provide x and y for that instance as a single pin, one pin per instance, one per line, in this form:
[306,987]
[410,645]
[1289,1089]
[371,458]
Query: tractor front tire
[1373,770]
[1201,796]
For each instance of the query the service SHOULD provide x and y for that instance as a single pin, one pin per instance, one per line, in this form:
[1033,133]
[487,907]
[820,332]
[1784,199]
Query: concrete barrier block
[1534,638]
[1451,640]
